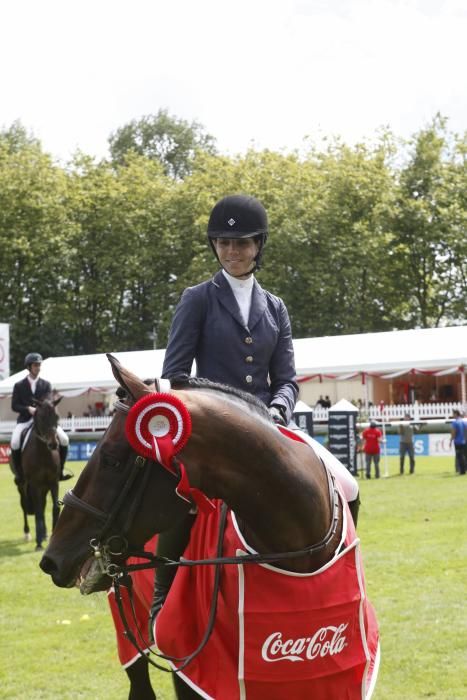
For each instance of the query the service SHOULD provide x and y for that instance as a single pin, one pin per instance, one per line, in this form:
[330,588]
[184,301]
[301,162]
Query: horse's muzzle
[48,566]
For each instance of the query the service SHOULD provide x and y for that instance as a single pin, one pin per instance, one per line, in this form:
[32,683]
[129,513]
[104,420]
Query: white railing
[76,424]
[320,415]
[88,423]
[417,411]
[423,411]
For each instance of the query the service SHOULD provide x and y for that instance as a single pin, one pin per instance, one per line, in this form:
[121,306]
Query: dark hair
[184,382]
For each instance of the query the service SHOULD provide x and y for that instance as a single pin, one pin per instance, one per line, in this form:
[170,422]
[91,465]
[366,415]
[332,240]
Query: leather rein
[117,545]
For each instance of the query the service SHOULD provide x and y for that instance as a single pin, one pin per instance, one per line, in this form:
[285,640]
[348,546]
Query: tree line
[95,254]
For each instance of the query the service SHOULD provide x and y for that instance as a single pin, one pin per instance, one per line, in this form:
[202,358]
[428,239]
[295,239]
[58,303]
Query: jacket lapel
[226,297]
[258,305]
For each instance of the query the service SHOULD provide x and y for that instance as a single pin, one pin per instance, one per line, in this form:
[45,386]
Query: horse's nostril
[47,565]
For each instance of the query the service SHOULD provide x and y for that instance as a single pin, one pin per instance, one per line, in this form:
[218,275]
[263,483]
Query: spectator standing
[458,437]
[406,445]
[372,438]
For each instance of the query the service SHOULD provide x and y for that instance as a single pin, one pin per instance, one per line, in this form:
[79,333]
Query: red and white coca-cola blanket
[277,634]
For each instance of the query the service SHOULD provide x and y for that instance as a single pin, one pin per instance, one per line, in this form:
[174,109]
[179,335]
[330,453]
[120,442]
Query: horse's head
[46,421]
[120,500]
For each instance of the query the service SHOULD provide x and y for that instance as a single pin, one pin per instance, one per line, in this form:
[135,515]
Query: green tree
[350,286]
[164,138]
[325,250]
[33,233]
[429,229]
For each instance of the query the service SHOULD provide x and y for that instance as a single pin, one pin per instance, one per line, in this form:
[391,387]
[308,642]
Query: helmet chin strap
[245,275]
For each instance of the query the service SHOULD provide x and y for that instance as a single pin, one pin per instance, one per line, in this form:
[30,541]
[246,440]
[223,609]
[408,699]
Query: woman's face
[237,255]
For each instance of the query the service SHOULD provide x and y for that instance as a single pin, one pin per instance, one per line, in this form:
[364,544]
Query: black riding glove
[277,413]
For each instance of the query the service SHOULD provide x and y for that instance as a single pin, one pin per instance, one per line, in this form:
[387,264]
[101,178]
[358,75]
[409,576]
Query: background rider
[26,393]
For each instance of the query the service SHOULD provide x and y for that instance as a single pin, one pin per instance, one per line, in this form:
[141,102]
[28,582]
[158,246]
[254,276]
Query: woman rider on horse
[238,333]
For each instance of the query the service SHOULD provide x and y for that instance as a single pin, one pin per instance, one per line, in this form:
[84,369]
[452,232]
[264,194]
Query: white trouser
[347,482]
[15,442]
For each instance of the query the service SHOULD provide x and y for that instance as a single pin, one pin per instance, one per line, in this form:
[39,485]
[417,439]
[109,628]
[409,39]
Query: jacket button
[248,378]
[249,358]
[248,340]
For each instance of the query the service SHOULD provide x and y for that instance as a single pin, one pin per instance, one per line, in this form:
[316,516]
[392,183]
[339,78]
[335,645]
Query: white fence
[427,411]
[417,411]
[76,424]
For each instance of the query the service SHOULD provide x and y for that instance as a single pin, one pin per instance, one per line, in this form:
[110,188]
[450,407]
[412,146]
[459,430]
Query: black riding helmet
[32,357]
[239,216]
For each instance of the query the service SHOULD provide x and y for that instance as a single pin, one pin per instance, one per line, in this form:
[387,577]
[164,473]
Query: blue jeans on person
[375,458]
[407,448]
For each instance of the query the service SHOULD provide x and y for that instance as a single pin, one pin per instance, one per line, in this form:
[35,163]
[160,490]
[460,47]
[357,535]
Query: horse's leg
[140,685]
[183,690]
[39,508]
[26,530]
[24,508]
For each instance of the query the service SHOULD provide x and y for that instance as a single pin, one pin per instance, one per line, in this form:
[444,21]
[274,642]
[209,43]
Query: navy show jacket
[258,357]
[23,397]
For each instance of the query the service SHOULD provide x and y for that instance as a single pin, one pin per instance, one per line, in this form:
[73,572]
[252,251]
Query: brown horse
[41,466]
[284,509]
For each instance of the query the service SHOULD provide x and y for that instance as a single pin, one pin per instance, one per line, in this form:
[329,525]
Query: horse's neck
[276,486]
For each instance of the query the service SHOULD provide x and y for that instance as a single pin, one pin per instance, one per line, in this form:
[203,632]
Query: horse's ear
[127,380]
[57,401]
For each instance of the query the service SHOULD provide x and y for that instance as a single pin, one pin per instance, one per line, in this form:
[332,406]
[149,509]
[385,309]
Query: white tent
[74,375]
[429,348]
[386,355]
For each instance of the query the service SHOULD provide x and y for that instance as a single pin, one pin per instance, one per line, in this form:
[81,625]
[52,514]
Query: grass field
[58,644]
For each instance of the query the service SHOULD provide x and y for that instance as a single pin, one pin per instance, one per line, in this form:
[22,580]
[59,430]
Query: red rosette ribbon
[158,426]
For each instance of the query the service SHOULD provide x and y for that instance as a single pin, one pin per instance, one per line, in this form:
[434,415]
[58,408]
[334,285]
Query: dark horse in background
[285,515]
[41,467]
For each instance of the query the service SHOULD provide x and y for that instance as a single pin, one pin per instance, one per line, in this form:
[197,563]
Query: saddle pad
[276,634]
[303,634]
[25,435]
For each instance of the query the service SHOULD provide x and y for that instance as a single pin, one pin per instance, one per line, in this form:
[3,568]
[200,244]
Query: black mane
[184,382]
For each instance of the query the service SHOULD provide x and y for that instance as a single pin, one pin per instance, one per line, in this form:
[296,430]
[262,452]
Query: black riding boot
[17,466]
[170,544]
[63,451]
[354,507]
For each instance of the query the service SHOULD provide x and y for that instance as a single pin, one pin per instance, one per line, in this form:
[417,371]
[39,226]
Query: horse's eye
[108,461]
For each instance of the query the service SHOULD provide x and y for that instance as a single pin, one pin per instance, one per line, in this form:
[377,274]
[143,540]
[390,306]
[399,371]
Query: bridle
[40,436]
[117,545]
[104,552]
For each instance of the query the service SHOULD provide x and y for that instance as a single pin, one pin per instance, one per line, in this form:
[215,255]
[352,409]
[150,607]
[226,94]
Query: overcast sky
[262,73]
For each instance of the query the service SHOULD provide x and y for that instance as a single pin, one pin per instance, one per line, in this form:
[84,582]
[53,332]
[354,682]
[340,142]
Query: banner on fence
[4,453]
[433,445]
[81,451]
